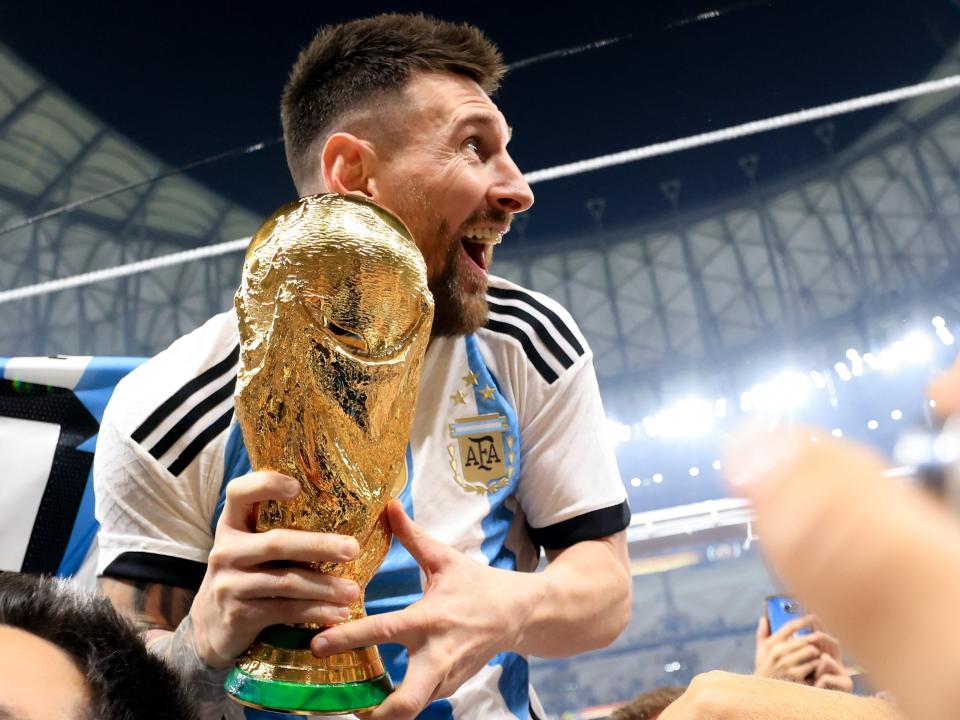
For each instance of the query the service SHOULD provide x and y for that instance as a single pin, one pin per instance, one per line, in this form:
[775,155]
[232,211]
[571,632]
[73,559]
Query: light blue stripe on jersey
[94,390]
[514,683]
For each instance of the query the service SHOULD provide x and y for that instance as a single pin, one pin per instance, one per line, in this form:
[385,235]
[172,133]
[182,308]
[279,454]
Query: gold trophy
[334,315]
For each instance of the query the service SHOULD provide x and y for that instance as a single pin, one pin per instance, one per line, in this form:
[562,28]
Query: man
[67,655]
[395,109]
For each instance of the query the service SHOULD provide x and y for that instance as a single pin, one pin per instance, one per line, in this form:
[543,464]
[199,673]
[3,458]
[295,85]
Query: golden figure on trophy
[334,316]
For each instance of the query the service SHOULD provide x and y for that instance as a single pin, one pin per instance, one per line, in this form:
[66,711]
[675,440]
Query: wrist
[533,589]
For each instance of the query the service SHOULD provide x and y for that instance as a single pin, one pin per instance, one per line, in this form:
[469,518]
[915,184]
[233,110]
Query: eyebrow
[483,118]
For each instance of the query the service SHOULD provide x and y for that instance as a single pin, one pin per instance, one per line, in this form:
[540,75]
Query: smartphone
[781,609]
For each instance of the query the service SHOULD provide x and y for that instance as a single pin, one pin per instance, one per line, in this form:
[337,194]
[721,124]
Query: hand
[242,592]
[786,655]
[832,675]
[469,612]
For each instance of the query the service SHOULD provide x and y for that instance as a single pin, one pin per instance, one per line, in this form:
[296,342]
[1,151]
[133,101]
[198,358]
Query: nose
[510,191]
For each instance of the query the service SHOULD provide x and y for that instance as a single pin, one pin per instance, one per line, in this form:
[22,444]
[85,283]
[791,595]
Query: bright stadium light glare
[694,471]
[837,433]
[746,401]
[843,372]
[716,465]
[856,366]
[618,432]
[650,426]
[872,424]
[818,380]
[917,348]
[938,322]
[690,417]
[658,478]
[852,355]
[720,408]
[871,360]
[635,481]
[946,337]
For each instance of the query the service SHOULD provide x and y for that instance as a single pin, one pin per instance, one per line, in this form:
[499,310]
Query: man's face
[39,680]
[453,183]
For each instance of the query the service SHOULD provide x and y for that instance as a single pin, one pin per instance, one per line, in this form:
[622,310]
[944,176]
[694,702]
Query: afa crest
[482,454]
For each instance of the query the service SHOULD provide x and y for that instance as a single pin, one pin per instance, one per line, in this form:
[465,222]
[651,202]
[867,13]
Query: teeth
[486,236]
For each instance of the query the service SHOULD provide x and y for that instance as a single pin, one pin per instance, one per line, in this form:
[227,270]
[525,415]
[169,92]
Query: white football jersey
[506,455]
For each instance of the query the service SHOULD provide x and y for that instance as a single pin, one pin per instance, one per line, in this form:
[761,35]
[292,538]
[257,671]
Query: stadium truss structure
[832,255]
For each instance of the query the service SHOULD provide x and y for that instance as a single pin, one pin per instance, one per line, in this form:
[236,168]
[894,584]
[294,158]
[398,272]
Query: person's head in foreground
[397,108]
[67,655]
[648,705]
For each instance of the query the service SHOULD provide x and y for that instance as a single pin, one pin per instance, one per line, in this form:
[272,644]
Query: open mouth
[475,246]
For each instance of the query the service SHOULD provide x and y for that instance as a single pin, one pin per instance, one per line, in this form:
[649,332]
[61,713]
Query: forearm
[725,696]
[581,601]
[204,684]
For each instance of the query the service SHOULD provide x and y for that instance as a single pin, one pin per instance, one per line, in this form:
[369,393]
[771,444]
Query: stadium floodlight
[635,481]
[837,433]
[694,471]
[746,401]
[618,432]
[657,478]
[689,417]
[938,322]
[716,465]
[871,360]
[842,371]
[896,415]
[872,424]
[946,337]
[852,355]
[818,380]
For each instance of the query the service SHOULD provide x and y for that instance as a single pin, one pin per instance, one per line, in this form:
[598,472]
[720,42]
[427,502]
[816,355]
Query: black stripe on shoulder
[200,442]
[516,333]
[545,337]
[177,399]
[154,568]
[589,526]
[187,421]
[560,325]
[533,713]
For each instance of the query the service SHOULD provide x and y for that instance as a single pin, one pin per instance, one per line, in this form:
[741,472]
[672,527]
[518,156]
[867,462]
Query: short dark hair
[353,63]
[125,680]
[648,704]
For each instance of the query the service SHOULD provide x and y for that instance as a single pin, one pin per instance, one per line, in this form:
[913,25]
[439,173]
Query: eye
[472,145]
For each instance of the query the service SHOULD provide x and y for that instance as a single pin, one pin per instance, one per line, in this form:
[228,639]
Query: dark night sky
[188,80]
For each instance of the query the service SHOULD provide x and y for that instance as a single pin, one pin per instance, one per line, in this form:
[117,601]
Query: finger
[829,666]
[419,687]
[294,584]
[785,647]
[763,629]
[800,672]
[829,644]
[789,629]
[284,611]
[834,682]
[801,656]
[424,548]
[281,544]
[373,630]
[244,492]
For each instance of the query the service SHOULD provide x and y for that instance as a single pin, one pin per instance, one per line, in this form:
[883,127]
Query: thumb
[763,629]
[424,548]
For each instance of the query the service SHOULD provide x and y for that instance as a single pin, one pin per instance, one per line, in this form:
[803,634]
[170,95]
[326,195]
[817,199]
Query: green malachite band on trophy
[290,697]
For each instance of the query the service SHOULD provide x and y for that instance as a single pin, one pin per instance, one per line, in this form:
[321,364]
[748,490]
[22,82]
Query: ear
[348,165]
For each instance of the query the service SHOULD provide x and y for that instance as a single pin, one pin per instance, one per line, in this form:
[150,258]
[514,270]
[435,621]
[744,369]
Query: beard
[459,293]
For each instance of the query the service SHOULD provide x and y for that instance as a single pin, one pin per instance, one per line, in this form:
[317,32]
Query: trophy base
[280,674]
